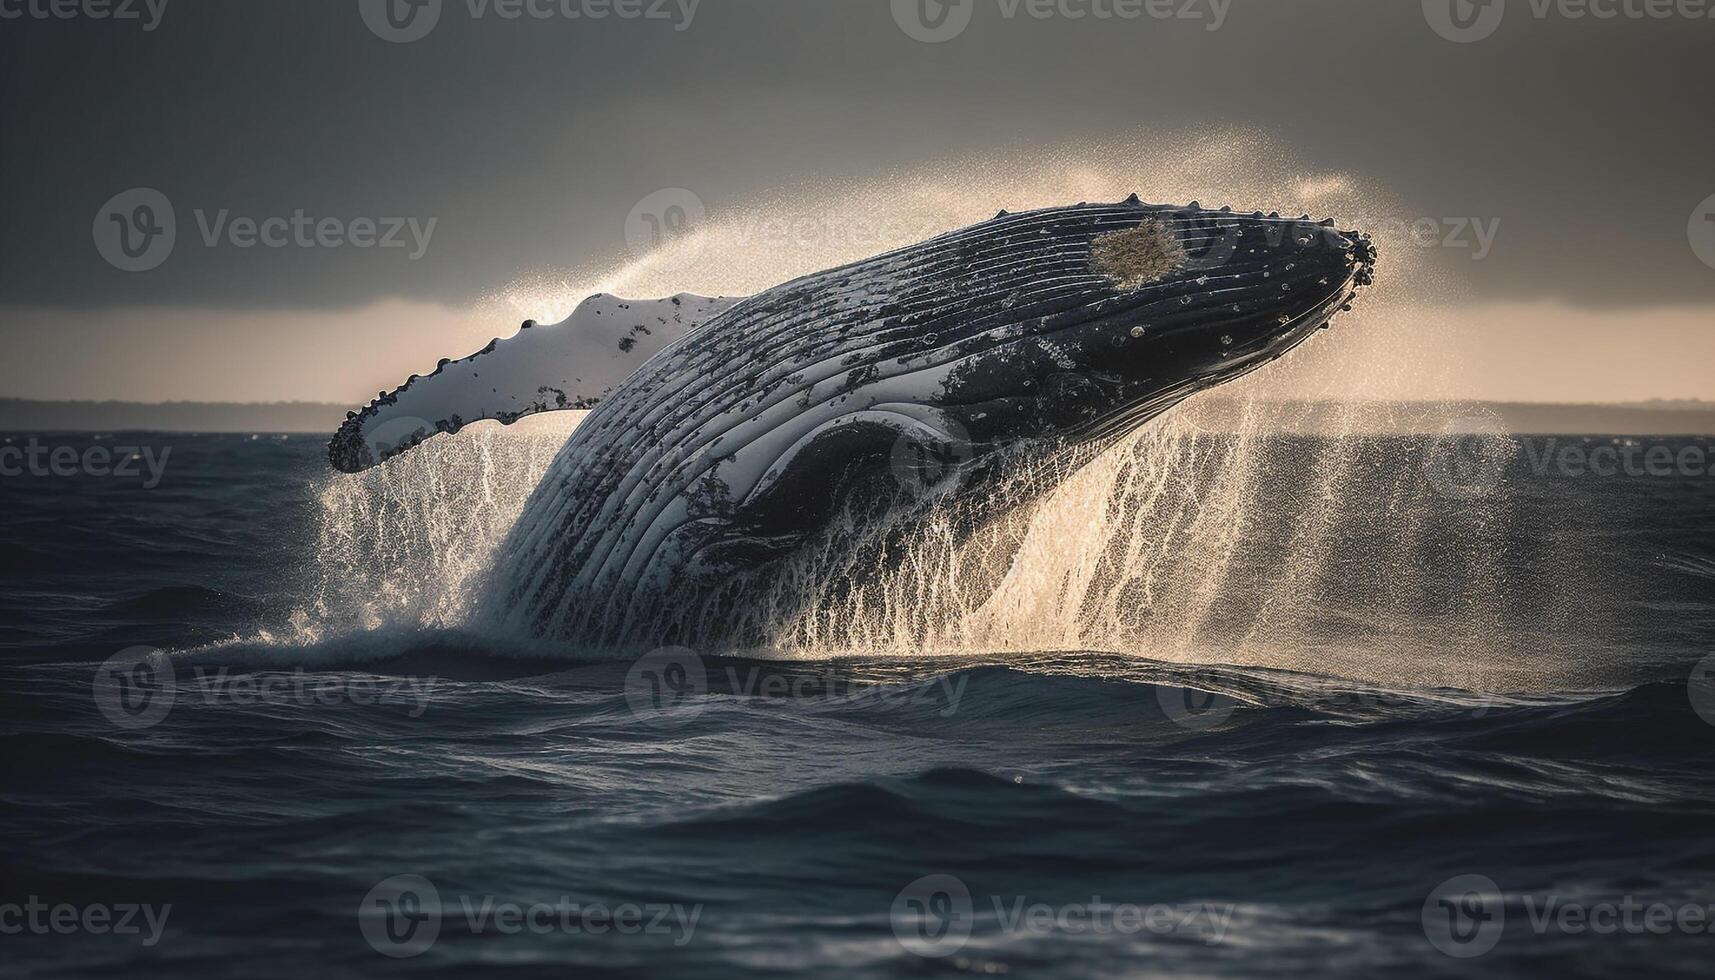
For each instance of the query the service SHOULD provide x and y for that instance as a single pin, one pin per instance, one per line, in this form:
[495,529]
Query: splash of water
[405,543]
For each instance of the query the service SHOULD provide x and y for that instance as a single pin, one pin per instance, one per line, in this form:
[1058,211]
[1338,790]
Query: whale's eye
[1136,257]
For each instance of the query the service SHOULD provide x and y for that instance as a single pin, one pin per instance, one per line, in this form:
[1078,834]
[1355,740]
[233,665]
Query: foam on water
[404,544]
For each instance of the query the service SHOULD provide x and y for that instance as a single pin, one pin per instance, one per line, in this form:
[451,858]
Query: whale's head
[1086,321]
[1015,339]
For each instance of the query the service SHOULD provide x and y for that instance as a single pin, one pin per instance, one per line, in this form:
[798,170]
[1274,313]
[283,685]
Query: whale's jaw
[730,450]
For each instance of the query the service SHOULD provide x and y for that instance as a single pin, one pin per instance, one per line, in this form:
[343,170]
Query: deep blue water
[1050,814]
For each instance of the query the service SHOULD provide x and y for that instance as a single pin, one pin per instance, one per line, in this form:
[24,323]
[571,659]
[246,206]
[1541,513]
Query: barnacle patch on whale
[1138,256]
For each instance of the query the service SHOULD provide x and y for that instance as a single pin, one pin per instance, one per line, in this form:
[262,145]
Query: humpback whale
[725,435]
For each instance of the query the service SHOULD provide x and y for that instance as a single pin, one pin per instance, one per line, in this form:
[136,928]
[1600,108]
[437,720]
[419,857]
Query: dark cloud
[528,140]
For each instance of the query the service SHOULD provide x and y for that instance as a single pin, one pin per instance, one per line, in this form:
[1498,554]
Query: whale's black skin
[739,442]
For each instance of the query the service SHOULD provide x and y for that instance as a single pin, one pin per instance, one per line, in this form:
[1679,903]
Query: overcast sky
[528,141]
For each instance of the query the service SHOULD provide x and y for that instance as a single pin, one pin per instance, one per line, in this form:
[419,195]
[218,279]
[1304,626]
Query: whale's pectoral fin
[569,365]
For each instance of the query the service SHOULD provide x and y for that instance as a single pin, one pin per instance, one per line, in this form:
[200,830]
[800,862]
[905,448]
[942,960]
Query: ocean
[1377,711]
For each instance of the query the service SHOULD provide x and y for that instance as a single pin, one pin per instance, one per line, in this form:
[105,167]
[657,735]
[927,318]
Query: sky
[430,180]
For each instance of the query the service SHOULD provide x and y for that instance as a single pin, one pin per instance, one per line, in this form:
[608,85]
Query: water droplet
[1184,301]
[1137,331]
[1226,340]
[1202,280]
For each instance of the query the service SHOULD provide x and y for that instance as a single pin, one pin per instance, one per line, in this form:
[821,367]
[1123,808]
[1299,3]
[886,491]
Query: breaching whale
[727,433]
